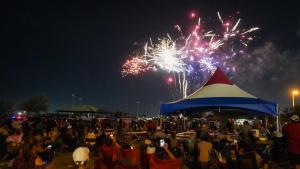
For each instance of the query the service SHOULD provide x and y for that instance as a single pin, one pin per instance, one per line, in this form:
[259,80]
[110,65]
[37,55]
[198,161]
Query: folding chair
[247,161]
[156,163]
[128,159]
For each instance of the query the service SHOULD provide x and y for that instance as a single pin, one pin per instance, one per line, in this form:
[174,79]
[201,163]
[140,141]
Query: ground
[65,161]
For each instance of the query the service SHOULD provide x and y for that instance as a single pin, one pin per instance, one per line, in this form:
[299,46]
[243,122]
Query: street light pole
[73,99]
[80,100]
[137,108]
[294,92]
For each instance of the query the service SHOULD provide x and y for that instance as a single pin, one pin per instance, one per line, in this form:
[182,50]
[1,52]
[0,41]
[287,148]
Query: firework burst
[191,56]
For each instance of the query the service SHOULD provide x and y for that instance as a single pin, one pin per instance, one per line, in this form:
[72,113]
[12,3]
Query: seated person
[244,148]
[108,153]
[32,155]
[224,152]
[128,157]
[81,156]
[100,140]
[278,146]
[16,137]
[162,150]
[90,138]
[163,158]
[174,147]
[163,153]
[173,139]
[263,131]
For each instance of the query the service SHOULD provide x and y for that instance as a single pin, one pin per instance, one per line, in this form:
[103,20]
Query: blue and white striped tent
[220,93]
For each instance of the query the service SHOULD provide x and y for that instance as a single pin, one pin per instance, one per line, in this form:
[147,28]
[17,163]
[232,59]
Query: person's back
[246,128]
[292,134]
[225,151]
[204,149]
[53,134]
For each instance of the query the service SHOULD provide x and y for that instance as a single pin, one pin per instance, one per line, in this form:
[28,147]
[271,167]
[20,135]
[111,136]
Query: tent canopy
[220,92]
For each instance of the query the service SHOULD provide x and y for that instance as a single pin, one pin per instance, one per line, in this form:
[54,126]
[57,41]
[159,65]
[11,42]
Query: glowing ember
[170,80]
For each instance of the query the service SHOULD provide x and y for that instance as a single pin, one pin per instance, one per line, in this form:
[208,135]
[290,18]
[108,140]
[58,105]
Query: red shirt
[292,133]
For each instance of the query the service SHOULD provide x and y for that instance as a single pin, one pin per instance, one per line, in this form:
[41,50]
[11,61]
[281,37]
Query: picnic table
[186,135]
[137,134]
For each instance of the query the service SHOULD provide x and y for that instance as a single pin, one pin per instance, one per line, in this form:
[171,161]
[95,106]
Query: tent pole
[277,118]
[266,122]
[184,120]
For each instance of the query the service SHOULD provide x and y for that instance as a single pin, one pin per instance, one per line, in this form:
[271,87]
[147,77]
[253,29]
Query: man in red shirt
[292,134]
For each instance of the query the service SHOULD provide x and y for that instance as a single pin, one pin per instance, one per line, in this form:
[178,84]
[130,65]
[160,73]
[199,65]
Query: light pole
[73,99]
[137,108]
[80,100]
[294,93]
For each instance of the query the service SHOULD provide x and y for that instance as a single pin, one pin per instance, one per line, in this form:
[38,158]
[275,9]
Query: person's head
[205,137]
[108,141]
[246,123]
[149,148]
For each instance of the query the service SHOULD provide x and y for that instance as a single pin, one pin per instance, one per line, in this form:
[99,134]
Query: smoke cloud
[269,73]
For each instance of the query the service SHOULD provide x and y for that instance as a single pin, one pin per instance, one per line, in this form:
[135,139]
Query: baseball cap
[147,142]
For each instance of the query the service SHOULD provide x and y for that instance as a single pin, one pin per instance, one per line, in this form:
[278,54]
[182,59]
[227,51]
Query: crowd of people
[35,142]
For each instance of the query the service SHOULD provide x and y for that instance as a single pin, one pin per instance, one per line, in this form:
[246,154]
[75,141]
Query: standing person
[204,149]
[230,125]
[291,133]
[245,129]
[120,129]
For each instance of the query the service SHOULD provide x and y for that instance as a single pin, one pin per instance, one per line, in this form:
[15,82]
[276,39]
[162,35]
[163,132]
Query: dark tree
[36,104]
[287,113]
[296,109]
[6,107]
[119,114]
[287,110]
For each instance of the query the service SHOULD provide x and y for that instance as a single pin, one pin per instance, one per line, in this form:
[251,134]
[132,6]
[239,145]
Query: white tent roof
[219,86]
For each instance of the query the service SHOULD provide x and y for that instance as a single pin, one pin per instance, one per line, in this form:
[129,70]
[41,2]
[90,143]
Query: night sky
[60,49]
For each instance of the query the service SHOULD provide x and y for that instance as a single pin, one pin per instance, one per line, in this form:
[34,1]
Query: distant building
[84,111]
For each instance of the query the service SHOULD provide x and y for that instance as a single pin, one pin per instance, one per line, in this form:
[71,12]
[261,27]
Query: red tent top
[218,77]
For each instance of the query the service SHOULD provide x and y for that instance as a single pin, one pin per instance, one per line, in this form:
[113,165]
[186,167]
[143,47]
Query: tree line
[35,104]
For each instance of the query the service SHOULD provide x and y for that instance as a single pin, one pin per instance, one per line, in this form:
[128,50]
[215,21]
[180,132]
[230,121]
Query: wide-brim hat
[295,117]
[277,134]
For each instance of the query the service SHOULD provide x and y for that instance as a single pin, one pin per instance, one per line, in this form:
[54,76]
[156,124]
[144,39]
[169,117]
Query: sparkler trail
[193,55]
